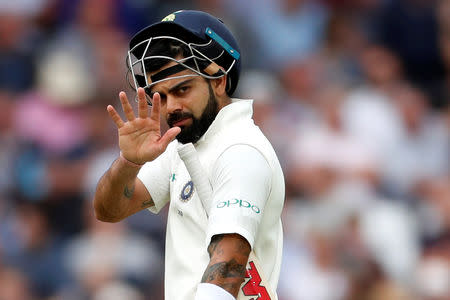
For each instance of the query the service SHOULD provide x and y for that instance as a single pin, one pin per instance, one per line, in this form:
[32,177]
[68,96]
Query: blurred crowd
[353,94]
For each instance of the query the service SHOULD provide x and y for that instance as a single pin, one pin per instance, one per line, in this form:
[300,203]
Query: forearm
[115,190]
[228,258]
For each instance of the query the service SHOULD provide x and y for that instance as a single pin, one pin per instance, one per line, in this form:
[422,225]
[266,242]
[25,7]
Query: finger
[142,107]
[156,104]
[115,116]
[169,136]
[126,106]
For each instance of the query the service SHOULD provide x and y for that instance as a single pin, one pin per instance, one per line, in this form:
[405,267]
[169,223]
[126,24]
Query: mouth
[182,122]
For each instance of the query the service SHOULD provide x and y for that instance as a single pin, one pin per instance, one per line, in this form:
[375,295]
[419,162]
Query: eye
[182,90]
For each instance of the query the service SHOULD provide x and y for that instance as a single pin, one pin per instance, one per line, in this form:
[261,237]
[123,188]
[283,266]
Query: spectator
[410,30]
[420,152]
[295,29]
[14,285]
[38,256]
[109,252]
[16,44]
[369,113]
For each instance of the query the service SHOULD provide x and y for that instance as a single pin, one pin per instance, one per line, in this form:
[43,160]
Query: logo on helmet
[169,18]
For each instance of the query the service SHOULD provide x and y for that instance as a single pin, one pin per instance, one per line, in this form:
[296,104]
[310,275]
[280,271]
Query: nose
[173,104]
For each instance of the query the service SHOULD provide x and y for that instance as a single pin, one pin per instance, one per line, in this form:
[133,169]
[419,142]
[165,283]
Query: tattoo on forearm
[222,270]
[228,262]
[148,203]
[128,192]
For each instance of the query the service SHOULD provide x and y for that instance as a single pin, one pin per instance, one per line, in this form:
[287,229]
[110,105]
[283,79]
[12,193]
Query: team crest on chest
[187,191]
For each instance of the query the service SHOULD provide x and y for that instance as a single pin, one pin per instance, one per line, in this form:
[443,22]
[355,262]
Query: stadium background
[354,95]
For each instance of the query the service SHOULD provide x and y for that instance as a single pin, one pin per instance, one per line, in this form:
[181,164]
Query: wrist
[209,291]
[129,162]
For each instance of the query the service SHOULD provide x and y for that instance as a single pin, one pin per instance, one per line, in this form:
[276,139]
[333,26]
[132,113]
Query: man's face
[188,103]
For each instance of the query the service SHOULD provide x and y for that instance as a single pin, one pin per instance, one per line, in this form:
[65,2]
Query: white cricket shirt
[248,197]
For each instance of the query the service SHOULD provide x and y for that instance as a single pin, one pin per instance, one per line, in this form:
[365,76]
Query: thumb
[169,136]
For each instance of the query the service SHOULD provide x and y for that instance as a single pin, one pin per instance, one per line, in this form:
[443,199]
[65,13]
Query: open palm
[140,137]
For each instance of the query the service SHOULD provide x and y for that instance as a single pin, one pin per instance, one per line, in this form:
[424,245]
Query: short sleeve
[155,177]
[241,181]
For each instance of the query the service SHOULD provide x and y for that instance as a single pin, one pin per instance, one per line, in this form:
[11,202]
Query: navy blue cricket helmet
[211,50]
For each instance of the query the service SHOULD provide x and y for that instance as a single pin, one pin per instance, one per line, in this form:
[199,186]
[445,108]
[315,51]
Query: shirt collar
[238,109]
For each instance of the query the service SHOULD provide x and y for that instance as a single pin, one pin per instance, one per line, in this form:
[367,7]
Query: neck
[223,101]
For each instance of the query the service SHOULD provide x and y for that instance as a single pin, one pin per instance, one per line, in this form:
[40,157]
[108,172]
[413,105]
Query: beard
[193,132]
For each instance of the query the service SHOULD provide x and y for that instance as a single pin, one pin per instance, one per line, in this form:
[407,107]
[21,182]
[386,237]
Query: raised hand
[140,138]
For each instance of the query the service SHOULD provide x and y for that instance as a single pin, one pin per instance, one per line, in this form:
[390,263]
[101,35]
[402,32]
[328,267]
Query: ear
[219,86]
